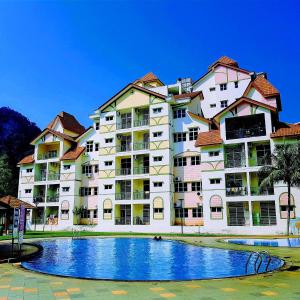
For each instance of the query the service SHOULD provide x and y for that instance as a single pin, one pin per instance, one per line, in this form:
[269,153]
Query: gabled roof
[241,100]
[191,95]
[200,118]
[69,122]
[149,77]
[29,159]
[13,202]
[86,131]
[208,138]
[73,153]
[286,130]
[56,133]
[126,89]
[225,60]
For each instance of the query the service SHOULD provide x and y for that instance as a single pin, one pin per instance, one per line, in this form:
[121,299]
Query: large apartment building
[165,158]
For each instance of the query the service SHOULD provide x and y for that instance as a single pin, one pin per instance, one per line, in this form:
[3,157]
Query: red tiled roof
[264,86]
[225,60]
[148,77]
[287,130]
[14,202]
[29,159]
[69,122]
[73,154]
[198,117]
[188,95]
[208,138]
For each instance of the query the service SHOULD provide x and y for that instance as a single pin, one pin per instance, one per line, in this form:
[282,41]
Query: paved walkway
[17,283]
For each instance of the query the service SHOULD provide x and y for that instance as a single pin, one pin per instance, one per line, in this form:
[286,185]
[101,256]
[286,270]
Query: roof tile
[264,86]
[73,154]
[29,159]
[287,130]
[209,138]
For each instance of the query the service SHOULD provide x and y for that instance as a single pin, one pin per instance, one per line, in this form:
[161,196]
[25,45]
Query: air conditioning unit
[177,179]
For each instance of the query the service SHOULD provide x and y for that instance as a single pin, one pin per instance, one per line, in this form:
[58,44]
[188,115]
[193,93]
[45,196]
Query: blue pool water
[139,259]
[292,242]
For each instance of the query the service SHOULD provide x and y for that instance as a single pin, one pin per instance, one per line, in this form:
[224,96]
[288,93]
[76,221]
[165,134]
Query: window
[89,146]
[195,160]
[107,211]
[29,170]
[27,191]
[196,186]
[107,186]
[181,212]
[108,163]
[179,113]
[95,213]
[215,180]
[87,169]
[157,134]
[66,189]
[157,158]
[86,214]
[212,89]
[216,209]
[85,191]
[223,87]
[67,167]
[193,133]
[157,110]
[95,190]
[198,212]
[236,84]
[109,140]
[224,103]
[179,161]
[213,105]
[96,168]
[179,137]
[109,118]
[180,187]
[97,125]
[213,153]
[158,184]
[97,147]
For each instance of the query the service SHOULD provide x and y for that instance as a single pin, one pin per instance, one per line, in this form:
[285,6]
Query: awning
[13,202]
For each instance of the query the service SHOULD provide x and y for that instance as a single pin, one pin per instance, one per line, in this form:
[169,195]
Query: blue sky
[74,55]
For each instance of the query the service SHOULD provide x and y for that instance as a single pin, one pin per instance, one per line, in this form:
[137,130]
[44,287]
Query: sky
[75,55]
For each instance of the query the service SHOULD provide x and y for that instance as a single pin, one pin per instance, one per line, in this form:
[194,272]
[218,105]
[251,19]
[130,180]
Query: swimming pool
[139,259]
[291,242]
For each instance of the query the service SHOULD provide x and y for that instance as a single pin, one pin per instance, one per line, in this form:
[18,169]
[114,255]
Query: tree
[6,176]
[285,168]
[16,133]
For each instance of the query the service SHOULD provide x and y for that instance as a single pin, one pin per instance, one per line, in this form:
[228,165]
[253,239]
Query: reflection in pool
[291,242]
[139,259]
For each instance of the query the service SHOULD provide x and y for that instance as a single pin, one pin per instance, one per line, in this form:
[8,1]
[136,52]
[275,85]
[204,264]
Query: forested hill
[16,133]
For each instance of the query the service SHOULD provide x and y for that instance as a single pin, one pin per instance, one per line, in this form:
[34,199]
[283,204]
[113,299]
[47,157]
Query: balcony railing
[123,221]
[40,177]
[123,196]
[54,198]
[237,221]
[123,171]
[264,221]
[53,176]
[47,155]
[141,146]
[38,199]
[236,191]
[141,195]
[235,163]
[260,161]
[123,148]
[124,125]
[141,221]
[245,133]
[141,170]
[143,122]
[257,191]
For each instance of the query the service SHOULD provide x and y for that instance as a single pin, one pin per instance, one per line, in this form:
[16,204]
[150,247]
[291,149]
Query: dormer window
[109,118]
[223,86]
[157,110]
[179,113]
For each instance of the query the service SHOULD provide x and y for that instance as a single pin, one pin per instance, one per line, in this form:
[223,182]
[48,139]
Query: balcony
[123,196]
[141,220]
[236,191]
[257,191]
[49,155]
[40,177]
[141,170]
[53,198]
[235,163]
[143,122]
[123,221]
[260,161]
[38,199]
[141,146]
[124,125]
[53,176]
[123,148]
[123,172]
[141,195]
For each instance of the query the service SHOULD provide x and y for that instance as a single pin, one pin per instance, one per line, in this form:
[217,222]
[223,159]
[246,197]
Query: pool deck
[18,283]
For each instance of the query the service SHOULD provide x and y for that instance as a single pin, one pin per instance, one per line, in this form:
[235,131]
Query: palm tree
[285,168]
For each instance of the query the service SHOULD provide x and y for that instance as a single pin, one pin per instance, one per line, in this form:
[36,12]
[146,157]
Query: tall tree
[285,168]
[16,133]
[6,176]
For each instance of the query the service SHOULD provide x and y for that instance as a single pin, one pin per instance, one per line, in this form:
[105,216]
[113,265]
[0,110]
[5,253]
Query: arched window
[158,208]
[107,209]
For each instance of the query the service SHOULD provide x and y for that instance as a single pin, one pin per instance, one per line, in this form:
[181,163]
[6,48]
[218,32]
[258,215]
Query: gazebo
[7,205]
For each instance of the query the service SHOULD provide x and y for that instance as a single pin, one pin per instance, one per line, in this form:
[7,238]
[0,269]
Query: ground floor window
[284,212]
[181,212]
[238,213]
[197,212]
